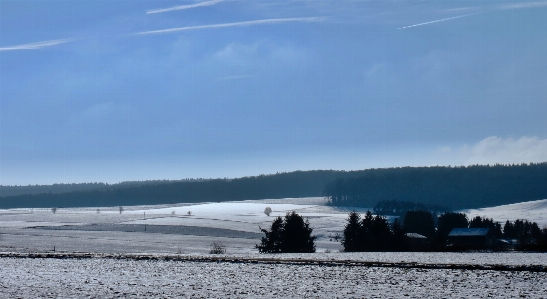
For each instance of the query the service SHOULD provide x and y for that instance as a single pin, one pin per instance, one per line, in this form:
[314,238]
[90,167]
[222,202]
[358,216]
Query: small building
[471,239]
[416,242]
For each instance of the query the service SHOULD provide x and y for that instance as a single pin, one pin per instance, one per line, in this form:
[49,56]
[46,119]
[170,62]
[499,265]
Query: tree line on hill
[375,233]
[281,185]
[454,187]
[390,190]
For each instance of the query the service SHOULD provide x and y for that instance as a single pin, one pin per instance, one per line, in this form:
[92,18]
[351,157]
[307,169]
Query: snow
[535,211]
[236,225]
[115,278]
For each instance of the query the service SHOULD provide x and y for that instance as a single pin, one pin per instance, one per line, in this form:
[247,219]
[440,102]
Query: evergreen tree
[449,221]
[350,241]
[420,222]
[365,236]
[289,234]
[296,235]
[270,242]
[398,239]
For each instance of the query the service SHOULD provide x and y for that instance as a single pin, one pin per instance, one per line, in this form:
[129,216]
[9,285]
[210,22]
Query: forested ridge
[281,185]
[451,187]
[454,187]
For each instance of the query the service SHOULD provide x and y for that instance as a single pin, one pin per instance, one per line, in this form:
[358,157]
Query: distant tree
[449,221]
[270,242]
[483,222]
[296,235]
[380,234]
[289,234]
[54,210]
[120,209]
[268,211]
[420,222]
[350,240]
[398,239]
[365,235]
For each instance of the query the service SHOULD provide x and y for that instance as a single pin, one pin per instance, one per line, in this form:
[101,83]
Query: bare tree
[121,209]
[54,210]
[268,211]
[189,213]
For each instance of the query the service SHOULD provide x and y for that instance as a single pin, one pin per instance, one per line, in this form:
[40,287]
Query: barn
[471,239]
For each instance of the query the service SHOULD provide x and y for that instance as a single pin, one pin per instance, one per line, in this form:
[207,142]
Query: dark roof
[468,232]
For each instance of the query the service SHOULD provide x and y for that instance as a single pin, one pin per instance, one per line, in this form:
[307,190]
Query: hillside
[454,187]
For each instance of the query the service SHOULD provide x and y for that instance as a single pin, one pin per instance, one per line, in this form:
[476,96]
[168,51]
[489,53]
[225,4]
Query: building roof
[415,236]
[468,232]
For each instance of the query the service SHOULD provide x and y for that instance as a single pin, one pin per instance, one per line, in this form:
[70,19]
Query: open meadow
[155,251]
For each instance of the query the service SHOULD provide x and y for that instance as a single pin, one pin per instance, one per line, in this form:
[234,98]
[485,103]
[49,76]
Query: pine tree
[350,241]
[270,242]
[296,235]
[289,234]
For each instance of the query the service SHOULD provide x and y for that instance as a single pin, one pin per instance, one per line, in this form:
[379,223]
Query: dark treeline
[7,190]
[454,187]
[420,232]
[282,185]
[399,208]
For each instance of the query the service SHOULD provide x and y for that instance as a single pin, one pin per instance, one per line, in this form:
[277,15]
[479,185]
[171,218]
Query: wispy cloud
[36,46]
[437,21]
[523,5]
[236,77]
[181,7]
[236,24]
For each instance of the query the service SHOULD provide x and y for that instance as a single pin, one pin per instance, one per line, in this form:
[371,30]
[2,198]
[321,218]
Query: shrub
[268,211]
[217,248]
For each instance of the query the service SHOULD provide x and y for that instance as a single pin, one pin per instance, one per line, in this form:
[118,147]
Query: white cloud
[436,21]
[494,150]
[235,24]
[181,7]
[520,5]
[36,46]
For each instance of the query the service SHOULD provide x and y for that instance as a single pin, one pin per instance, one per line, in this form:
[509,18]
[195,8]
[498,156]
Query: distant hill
[65,188]
[452,187]
[281,185]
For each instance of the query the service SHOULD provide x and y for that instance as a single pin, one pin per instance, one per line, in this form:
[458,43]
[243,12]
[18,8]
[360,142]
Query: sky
[111,91]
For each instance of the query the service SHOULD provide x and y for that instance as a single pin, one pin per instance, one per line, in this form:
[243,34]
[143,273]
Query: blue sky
[109,91]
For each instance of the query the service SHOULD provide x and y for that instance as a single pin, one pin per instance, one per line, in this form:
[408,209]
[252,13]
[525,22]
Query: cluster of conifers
[375,233]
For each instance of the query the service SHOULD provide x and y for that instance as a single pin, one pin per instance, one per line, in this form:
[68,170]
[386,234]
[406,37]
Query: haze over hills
[453,187]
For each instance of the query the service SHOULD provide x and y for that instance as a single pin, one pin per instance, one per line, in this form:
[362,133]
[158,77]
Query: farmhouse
[471,238]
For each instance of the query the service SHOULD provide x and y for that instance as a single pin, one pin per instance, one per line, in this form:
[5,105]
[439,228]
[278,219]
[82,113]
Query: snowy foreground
[162,252]
[126,278]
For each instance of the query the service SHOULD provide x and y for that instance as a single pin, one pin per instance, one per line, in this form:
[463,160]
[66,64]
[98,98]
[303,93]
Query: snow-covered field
[170,230]
[110,278]
[535,211]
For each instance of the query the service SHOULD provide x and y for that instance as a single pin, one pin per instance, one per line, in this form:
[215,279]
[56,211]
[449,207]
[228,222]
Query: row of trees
[281,185]
[456,187]
[375,233]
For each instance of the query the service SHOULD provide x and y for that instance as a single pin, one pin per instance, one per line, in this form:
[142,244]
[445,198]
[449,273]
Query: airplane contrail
[236,24]
[181,7]
[35,46]
[437,21]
